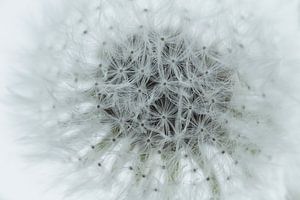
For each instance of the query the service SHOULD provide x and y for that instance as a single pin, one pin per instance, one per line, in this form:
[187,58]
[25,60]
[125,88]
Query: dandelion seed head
[159,106]
[171,100]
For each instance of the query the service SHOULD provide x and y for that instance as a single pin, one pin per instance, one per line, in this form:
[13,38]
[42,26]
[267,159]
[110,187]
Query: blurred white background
[19,180]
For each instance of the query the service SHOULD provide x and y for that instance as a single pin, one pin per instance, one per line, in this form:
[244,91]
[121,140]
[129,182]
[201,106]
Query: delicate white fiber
[156,100]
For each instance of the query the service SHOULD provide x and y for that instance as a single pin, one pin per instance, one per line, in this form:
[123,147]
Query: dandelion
[156,100]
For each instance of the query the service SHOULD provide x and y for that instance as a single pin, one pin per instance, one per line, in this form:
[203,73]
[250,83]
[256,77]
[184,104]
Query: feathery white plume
[156,100]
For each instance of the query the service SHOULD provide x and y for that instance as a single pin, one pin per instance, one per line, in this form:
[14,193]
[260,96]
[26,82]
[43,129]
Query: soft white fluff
[157,100]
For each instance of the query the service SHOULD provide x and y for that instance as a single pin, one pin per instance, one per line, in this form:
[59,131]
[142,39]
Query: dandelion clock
[166,100]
